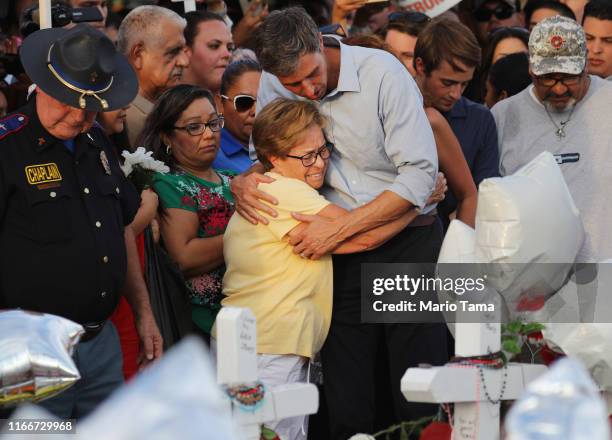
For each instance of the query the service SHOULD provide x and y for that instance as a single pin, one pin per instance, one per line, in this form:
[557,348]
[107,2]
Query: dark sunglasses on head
[333,29]
[501,12]
[517,29]
[242,103]
[408,16]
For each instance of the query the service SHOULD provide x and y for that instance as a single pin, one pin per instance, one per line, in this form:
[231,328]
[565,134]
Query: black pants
[350,352]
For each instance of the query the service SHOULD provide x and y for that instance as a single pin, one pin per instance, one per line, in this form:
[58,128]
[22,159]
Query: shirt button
[98,224]
[86,190]
[103,294]
[105,259]
[117,189]
[52,194]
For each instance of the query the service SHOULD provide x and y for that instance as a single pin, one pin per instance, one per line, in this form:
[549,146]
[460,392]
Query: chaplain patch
[41,174]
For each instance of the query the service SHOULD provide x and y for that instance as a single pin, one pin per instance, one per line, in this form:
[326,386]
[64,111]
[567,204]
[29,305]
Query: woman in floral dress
[183,130]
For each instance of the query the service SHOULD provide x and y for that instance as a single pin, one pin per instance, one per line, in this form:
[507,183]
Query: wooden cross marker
[476,417]
[237,364]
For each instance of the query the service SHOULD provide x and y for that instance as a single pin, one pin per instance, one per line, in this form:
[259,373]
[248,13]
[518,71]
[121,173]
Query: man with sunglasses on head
[492,14]
[567,112]
[383,165]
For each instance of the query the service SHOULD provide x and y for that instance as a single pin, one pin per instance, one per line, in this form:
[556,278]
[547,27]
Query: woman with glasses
[183,130]
[239,86]
[290,296]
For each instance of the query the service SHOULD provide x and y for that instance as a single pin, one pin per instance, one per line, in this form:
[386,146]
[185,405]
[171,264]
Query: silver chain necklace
[560,129]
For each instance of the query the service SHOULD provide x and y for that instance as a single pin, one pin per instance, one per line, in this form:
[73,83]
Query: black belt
[92,329]
[423,220]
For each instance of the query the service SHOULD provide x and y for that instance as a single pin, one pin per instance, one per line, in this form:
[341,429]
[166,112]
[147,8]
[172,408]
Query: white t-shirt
[584,154]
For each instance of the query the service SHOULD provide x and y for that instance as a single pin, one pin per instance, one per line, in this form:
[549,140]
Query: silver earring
[168,150]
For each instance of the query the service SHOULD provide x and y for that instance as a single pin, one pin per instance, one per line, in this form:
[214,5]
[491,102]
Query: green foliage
[514,336]
[406,429]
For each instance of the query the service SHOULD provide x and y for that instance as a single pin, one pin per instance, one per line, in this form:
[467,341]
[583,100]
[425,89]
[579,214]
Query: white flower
[143,159]
[362,437]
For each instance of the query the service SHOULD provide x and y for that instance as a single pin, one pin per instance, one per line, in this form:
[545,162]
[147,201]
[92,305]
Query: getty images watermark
[408,285]
[425,292]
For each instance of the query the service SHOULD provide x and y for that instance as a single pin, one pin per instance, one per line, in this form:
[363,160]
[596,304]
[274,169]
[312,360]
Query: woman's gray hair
[283,37]
[142,24]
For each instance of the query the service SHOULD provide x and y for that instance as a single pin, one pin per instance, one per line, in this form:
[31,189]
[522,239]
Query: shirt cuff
[413,185]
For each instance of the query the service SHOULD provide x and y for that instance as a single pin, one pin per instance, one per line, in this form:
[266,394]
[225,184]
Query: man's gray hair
[283,37]
[142,24]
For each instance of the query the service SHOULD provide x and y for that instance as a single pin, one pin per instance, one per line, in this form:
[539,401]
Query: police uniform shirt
[62,218]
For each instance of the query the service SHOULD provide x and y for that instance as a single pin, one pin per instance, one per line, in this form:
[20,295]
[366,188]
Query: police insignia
[43,173]
[105,164]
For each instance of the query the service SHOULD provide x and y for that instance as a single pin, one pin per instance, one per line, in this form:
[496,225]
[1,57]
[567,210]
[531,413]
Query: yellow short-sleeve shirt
[290,296]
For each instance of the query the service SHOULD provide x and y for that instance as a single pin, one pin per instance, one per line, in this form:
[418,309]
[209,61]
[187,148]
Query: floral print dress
[214,205]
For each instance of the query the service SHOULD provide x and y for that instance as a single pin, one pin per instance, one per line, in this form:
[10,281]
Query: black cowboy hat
[79,67]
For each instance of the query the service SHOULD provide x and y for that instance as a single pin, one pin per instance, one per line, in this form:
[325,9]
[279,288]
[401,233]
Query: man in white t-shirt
[567,112]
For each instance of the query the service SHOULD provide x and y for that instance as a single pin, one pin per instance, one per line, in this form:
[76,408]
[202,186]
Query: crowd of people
[301,142]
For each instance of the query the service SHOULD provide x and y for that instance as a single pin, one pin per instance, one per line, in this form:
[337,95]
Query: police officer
[65,203]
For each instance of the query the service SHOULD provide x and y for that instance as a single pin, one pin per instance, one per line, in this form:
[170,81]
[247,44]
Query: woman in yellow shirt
[290,296]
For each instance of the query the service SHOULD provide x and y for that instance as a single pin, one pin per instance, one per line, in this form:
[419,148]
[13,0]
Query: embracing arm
[363,241]
[194,255]
[454,166]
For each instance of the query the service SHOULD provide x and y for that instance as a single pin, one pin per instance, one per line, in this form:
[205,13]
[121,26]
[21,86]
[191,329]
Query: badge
[43,173]
[557,41]
[105,164]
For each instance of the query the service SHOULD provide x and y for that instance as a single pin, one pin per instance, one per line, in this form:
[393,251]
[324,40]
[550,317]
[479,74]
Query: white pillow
[528,217]
[524,219]
[458,245]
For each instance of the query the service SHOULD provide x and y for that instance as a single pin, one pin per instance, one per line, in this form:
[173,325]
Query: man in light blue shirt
[384,164]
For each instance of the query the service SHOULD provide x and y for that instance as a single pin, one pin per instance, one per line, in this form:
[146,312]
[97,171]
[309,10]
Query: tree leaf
[532,327]
[514,326]
[511,346]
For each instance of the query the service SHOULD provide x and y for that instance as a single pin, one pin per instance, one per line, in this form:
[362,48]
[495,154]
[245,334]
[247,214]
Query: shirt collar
[41,139]
[143,104]
[229,144]
[459,110]
[348,80]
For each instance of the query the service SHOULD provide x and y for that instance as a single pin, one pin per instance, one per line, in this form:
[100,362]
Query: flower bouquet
[140,166]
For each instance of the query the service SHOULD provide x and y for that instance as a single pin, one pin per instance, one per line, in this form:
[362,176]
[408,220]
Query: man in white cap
[567,112]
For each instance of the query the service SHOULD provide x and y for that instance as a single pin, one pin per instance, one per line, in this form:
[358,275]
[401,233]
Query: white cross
[475,417]
[237,364]
[189,5]
[44,7]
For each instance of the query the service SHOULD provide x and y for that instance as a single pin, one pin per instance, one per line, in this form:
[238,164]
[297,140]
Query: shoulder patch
[12,124]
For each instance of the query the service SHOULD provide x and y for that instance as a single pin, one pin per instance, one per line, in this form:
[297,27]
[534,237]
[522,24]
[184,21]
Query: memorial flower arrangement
[140,166]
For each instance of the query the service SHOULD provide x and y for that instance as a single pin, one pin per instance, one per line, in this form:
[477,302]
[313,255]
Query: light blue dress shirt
[382,138]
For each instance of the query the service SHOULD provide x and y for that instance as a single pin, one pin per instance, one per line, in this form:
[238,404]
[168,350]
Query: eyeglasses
[567,81]
[408,16]
[197,128]
[502,12]
[309,159]
[242,103]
